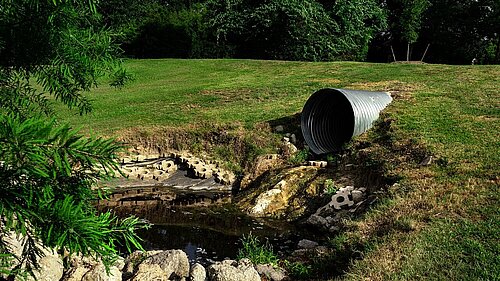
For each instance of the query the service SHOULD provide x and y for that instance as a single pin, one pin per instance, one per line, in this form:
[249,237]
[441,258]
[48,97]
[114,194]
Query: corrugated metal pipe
[331,117]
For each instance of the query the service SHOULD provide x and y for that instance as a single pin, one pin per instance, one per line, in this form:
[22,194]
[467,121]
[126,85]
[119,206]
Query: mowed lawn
[454,110]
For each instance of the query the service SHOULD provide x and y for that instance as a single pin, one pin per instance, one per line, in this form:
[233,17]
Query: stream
[205,224]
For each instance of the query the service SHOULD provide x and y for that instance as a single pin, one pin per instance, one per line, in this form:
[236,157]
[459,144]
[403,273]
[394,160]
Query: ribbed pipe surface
[331,117]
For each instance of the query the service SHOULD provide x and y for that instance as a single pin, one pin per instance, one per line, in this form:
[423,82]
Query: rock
[198,273]
[149,272]
[51,267]
[75,274]
[317,221]
[285,140]
[174,263]
[307,244]
[261,165]
[98,273]
[293,139]
[282,194]
[233,271]
[133,260]
[279,129]
[271,273]
[87,268]
[357,196]
[289,149]
[265,199]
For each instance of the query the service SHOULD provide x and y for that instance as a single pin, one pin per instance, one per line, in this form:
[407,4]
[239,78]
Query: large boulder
[149,272]
[87,269]
[133,260]
[262,164]
[285,194]
[230,270]
[174,263]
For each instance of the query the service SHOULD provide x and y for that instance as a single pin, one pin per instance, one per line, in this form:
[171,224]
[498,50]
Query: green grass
[445,225]
[257,251]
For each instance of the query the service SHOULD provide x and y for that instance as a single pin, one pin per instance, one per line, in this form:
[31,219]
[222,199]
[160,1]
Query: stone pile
[155,167]
[166,265]
[346,200]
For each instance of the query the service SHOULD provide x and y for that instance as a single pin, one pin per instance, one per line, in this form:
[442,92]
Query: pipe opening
[331,117]
[327,121]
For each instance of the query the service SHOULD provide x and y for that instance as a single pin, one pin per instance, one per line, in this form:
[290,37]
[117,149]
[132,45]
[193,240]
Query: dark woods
[455,32]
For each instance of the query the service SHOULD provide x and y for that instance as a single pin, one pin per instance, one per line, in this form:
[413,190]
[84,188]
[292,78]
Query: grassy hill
[444,218]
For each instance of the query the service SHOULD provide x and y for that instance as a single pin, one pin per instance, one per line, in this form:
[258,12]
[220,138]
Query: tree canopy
[54,51]
[307,30]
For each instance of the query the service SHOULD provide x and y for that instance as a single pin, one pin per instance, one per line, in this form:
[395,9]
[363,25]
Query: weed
[300,157]
[297,270]
[332,158]
[256,251]
[330,187]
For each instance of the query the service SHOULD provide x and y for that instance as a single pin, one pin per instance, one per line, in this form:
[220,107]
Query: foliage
[46,180]
[256,251]
[297,270]
[462,30]
[330,187]
[270,29]
[359,21]
[294,30]
[57,45]
[300,157]
[457,31]
[52,51]
[407,18]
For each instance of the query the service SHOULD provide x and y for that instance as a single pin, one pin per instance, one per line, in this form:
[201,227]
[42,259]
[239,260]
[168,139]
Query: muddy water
[205,224]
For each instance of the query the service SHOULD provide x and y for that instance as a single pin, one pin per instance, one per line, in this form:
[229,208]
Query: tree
[406,20]
[294,30]
[359,22]
[461,30]
[52,50]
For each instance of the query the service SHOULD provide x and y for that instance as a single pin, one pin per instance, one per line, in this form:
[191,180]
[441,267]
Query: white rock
[198,273]
[225,271]
[264,199]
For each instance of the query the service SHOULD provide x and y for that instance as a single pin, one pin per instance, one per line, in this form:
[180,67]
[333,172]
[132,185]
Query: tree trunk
[497,53]
[425,52]
[393,55]
[408,52]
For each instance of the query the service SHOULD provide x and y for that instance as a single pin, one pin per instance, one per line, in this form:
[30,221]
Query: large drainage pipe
[331,117]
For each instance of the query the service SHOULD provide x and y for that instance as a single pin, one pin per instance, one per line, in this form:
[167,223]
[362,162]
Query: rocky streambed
[203,211]
[200,212]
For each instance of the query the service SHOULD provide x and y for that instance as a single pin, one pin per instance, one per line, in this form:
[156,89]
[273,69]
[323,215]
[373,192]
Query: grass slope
[450,215]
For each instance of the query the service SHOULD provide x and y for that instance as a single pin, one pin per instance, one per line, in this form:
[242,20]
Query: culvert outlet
[331,117]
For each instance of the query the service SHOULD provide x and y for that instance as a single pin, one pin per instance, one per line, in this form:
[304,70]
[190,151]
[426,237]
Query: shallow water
[207,232]
[212,234]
